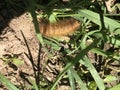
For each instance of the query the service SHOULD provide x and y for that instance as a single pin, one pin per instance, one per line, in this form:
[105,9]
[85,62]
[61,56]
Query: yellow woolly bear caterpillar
[60,28]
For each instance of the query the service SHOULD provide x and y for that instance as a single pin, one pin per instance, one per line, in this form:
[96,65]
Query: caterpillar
[61,28]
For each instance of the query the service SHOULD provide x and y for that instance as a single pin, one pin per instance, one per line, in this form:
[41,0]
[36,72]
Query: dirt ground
[12,45]
[13,21]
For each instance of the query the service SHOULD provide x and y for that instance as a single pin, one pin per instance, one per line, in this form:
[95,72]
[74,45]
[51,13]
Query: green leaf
[7,83]
[79,80]
[34,85]
[94,73]
[114,41]
[110,78]
[71,79]
[74,61]
[52,42]
[112,25]
[117,87]
[52,18]
[99,52]
[17,61]
[34,17]
[92,85]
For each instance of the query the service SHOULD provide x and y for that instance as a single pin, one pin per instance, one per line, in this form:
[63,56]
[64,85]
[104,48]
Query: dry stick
[30,57]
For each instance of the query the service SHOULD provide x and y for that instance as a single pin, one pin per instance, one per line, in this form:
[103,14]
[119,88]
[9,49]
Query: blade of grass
[112,25]
[99,52]
[117,87]
[7,83]
[74,61]
[108,54]
[78,79]
[34,17]
[114,41]
[94,73]
[34,85]
[71,79]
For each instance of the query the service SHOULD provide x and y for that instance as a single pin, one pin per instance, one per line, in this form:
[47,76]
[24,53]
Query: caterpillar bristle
[60,28]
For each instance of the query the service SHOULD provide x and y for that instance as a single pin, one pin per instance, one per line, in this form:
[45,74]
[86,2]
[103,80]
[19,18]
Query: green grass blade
[34,17]
[117,87]
[71,79]
[99,52]
[114,41]
[94,73]
[112,25]
[108,54]
[7,83]
[34,85]
[74,61]
[78,79]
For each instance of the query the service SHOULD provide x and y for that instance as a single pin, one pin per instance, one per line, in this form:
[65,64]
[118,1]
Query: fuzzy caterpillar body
[60,28]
